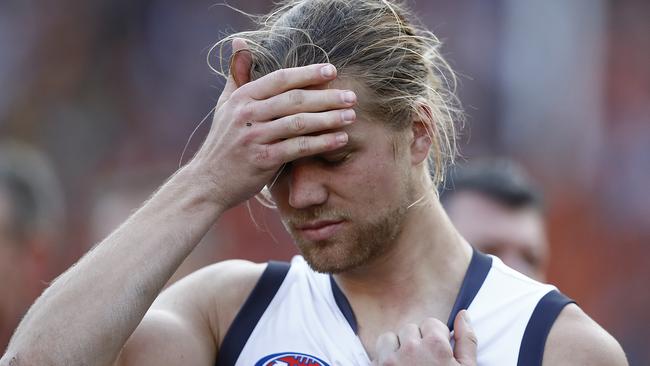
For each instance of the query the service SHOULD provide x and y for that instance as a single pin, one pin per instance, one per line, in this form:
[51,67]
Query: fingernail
[348,115]
[466,317]
[349,97]
[342,137]
[328,71]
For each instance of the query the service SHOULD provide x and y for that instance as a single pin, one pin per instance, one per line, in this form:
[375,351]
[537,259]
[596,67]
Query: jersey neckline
[477,271]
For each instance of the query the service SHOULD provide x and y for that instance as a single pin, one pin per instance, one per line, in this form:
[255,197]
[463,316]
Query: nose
[306,185]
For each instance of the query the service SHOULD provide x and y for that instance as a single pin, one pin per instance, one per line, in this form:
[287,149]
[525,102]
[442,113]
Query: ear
[422,132]
[240,63]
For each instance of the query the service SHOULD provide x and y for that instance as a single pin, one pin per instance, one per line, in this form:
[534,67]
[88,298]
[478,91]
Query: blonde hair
[371,42]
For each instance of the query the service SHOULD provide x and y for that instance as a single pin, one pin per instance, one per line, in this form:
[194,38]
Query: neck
[420,273]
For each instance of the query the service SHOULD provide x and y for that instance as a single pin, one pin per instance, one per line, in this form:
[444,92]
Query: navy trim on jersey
[344,305]
[477,271]
[548,308]
[251,312]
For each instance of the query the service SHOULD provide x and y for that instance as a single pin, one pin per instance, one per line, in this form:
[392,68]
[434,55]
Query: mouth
[319,230]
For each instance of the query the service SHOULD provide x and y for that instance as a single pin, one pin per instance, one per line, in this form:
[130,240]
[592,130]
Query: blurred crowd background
[108,93]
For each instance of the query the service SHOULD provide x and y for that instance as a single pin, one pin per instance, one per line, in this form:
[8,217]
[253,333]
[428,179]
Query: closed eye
[334,159]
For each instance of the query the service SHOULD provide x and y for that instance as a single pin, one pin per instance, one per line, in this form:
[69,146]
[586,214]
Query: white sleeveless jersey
[298,317]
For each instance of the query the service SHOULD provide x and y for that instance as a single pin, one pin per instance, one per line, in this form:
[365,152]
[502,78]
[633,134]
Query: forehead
[367,125]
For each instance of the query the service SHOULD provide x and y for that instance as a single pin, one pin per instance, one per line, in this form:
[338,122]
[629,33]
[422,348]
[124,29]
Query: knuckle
[471,336]
[244,112]
[238,94]
[387,335]
[410,346]
[280,76]
[296,97]
[303,145]
[250,136]
[432,322]
[263,155]
[439,347]
[297,123]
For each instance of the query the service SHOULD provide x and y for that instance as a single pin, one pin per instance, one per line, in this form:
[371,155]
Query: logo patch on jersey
[290,359]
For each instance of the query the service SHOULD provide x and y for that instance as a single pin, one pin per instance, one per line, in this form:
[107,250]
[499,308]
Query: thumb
[465,338]
[240,65]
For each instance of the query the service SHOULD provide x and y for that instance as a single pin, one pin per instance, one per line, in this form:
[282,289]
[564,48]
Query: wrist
[199,190]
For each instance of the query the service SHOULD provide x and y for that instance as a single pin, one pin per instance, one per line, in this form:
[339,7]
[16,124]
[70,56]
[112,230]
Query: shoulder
[186,323]
[576,339]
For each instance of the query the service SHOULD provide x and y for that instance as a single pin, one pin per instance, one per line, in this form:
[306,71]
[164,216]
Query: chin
[346,252]
[354,246]
[331,256]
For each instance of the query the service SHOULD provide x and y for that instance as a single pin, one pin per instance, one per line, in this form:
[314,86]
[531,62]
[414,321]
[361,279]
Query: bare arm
[187,321]
[90,311]
[575,339]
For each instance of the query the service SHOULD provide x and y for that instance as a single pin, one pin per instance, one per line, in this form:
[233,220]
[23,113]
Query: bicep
[183,326]
[166,338]
[576,339]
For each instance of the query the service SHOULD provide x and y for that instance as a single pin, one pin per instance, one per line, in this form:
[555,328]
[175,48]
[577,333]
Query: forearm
[89,312]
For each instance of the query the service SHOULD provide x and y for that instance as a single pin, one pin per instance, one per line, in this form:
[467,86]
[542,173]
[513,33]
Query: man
[497,209]
[31,216]
[343,151]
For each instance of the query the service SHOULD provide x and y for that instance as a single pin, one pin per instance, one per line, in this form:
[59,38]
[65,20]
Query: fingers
[283,80]
[386,345]
[426,344]
[466,341]
[432,327]
[304,124]
[299,147]
[300,100]
[409,333]
[435,335]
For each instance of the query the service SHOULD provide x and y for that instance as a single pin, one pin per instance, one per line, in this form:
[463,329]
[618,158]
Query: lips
[319,230]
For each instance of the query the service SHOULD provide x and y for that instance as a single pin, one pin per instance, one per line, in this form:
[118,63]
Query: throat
[390,303]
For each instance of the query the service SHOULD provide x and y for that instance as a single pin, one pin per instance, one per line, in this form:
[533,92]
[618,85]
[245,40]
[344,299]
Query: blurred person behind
[499,210]
[31,222]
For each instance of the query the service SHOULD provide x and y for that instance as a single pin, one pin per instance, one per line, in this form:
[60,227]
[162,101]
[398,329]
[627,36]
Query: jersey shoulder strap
[251,312]
[531,351]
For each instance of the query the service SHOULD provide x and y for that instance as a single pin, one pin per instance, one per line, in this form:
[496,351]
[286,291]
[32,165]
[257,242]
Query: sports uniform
[296,316]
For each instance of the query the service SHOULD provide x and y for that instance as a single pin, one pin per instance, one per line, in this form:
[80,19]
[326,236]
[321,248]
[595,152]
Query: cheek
[279,191]
[377,185]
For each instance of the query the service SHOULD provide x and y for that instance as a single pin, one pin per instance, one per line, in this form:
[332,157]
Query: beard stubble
[355,245]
